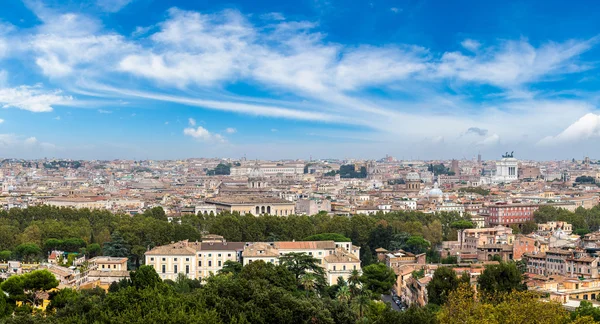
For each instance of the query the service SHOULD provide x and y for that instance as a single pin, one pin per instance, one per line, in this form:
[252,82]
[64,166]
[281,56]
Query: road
[388,299]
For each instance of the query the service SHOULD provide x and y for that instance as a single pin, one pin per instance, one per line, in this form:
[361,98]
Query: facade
[571,264]
[253,205]
[194,259]
[312,206]
[509,214]
[199,259]
[269,169]
[507,170]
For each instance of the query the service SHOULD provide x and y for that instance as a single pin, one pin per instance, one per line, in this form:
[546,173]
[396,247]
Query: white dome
[413,176]
[436,192]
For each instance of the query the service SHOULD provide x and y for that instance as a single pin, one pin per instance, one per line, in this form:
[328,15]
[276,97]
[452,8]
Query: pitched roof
[341,256]
[177,248]
[260,250]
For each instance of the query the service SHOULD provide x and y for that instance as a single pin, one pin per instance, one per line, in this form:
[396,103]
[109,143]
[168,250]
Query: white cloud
[273,130]
[230,130]
[514,63]
[32,98]
[585,128]
[395,10]
[103,111]
[272,16]
[192,121]
[113,5]
[166,123]
[490,140]
[57,118]
[1,121]
[31,141]
[470,44]
[202,134]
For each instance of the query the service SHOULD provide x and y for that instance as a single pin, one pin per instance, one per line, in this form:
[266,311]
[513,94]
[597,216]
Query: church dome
[413,176]
[436,192]
[256,172]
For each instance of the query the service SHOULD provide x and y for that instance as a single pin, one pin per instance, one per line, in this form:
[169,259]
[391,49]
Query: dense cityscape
[407,234]
[308,161]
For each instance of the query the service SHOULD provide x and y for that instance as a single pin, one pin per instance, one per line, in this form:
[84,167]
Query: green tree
[93,250]
[378,278]
[5,255]
[500,278]
[144,277]
[117,247]
[28,252]
[301,263]
[417,245]
[231,267]
[443,282]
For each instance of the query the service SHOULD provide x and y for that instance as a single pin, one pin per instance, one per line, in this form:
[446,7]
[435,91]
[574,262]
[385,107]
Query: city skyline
[148,79]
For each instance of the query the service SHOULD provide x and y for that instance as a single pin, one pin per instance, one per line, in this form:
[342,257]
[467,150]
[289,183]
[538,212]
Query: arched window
[257,210]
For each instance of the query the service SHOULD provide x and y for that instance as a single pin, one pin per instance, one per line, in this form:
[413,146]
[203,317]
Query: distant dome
[413,176]
[436,192]
[256,172]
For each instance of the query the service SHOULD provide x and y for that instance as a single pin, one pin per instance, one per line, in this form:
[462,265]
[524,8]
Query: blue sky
[150,79]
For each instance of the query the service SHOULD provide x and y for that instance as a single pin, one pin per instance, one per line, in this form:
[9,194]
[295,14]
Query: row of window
[175,269]
[188,259]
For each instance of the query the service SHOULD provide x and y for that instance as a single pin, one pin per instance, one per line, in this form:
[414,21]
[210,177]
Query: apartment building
[574,264]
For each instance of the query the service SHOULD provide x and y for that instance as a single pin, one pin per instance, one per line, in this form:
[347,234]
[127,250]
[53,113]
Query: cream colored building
[254,205]
[194,259]
[199,259]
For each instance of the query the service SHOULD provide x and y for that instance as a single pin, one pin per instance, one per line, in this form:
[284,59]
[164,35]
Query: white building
[507,169]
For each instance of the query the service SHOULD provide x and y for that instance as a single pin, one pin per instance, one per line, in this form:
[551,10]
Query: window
[219,263]
[103,266]
[164,268]
[164,259]
[320,253]
[187,268]
[228,255]
[175,268]
[187,259]
[114,266]
[151,259]
[333,268]
[210,255]
[219,255]
[175,259]
[199,263]
[210,263]
[344,267]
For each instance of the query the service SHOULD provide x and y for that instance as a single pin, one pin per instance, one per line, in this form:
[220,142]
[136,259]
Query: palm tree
[343,294]
[308,282]
[354,282]
[361,301]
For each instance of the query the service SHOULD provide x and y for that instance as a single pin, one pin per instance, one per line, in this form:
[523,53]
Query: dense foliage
[220,169]
[29,234]
[257,293]
[477,190]
[583,220]
[349,171]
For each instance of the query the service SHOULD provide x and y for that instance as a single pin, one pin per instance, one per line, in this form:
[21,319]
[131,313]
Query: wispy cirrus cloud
[193,59]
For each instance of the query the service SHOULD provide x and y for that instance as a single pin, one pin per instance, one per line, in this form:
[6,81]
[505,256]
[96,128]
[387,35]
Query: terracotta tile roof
[177,248]
[260,250]
[341,256]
